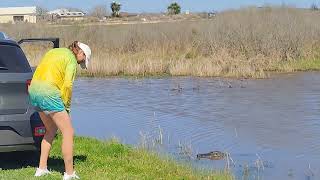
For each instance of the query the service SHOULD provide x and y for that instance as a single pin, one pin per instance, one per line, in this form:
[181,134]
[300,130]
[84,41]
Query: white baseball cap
[87,51]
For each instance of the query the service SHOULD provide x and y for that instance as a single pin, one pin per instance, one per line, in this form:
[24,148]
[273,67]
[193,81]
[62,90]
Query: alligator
[214,155]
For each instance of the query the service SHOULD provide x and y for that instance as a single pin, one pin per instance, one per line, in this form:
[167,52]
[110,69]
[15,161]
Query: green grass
[96,159]
[82,73]
[306,65]
[296,65]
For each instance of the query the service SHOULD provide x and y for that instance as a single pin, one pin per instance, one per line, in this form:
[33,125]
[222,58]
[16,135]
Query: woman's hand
[68,110]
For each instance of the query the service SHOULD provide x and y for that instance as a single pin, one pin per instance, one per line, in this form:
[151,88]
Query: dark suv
[21,128]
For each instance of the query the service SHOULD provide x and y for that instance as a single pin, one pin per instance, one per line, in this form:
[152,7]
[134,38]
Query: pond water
[270,127]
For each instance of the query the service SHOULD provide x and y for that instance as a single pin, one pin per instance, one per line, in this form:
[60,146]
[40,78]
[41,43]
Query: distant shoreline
[246,43]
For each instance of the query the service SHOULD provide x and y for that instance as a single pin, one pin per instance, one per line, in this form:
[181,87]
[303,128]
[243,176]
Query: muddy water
[270,127]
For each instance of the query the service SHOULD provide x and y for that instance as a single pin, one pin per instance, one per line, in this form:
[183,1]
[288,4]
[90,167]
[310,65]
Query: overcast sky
[157,5]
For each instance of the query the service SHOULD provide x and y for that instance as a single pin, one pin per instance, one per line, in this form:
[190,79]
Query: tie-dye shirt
[51,85]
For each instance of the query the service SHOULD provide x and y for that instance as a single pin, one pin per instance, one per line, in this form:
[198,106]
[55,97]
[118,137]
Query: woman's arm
[66,90]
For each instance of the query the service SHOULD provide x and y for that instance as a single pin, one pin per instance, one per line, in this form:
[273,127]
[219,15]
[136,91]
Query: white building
[65,14]
[18,14]
[58,11]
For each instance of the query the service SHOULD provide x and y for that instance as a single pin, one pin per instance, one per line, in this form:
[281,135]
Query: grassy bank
[103,160]
[240,43]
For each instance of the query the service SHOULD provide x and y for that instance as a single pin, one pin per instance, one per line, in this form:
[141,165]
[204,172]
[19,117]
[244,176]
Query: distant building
[65,14]
[127,14]
[58,11]
[212,14]
[18,14]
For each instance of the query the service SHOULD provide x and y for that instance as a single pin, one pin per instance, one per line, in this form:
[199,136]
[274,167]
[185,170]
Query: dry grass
[243,43]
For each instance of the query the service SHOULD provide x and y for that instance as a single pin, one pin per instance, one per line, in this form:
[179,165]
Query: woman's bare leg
[46,143]
[63,122]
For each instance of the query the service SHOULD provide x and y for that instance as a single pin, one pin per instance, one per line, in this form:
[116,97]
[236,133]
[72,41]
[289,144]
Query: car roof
[8,42]
[5,40]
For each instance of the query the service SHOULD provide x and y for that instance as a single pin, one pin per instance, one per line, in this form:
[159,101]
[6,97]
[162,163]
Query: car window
[13,60]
